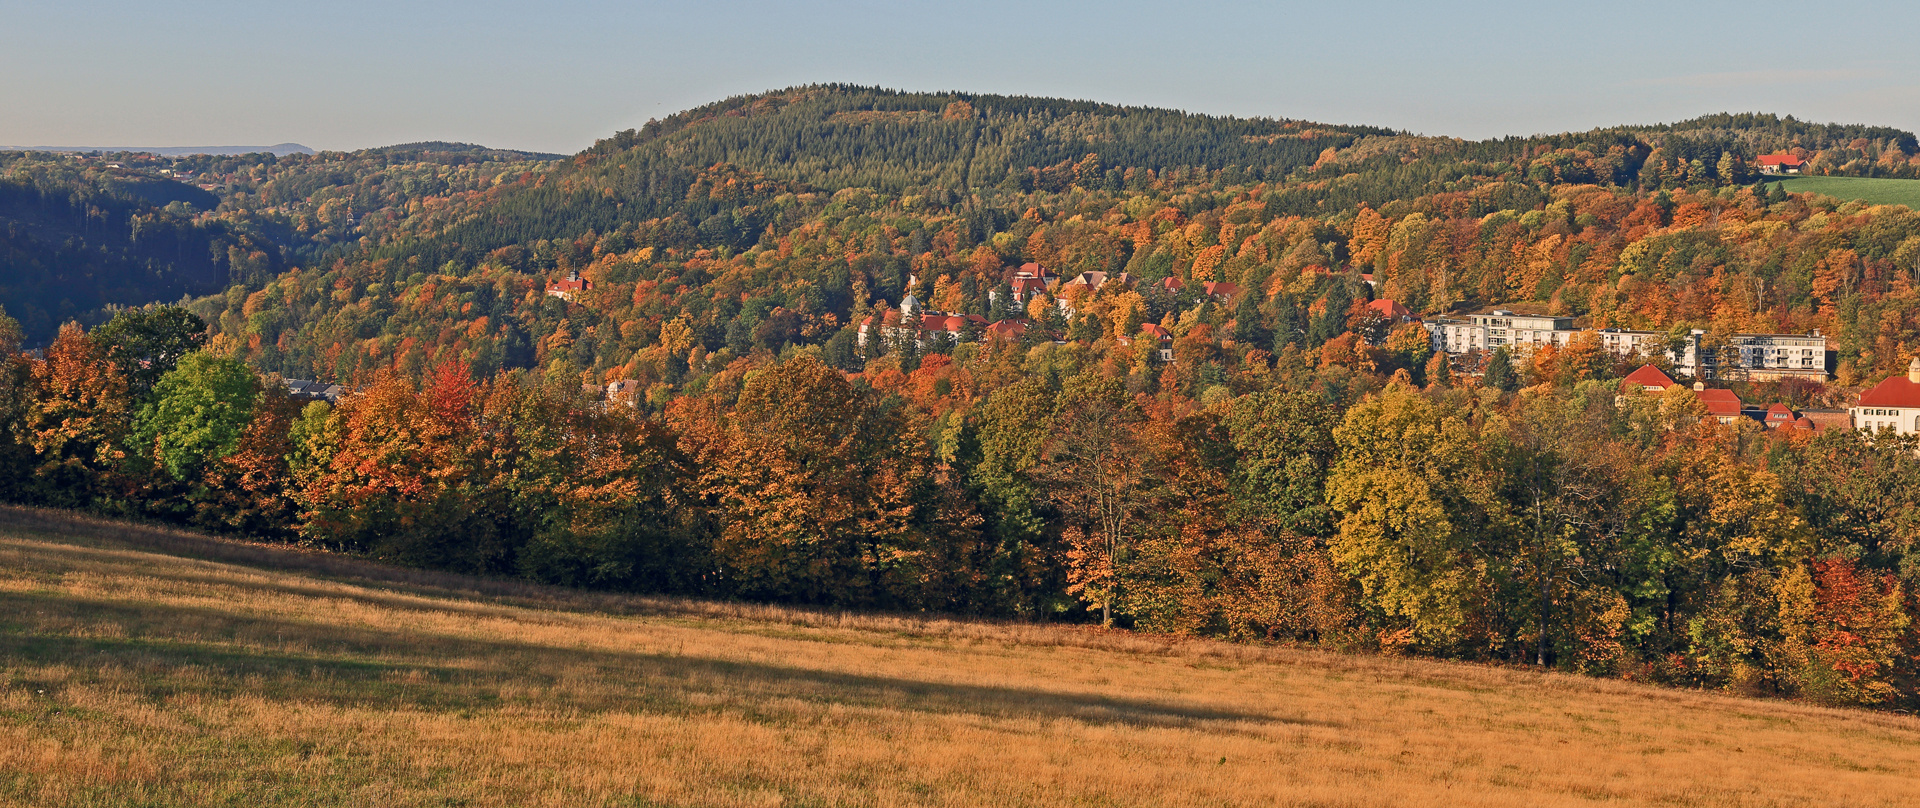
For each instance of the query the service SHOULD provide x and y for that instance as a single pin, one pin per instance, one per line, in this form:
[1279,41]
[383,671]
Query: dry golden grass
[149,667]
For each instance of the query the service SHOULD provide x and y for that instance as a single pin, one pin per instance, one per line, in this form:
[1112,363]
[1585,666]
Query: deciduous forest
[706,419]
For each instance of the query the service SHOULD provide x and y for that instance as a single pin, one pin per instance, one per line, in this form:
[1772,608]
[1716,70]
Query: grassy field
[1875,191]
[147,667]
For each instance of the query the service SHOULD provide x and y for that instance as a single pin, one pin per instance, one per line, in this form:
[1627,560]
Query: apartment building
[1757,357]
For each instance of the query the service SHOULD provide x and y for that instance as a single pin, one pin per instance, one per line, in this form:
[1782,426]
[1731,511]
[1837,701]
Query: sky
[554,76]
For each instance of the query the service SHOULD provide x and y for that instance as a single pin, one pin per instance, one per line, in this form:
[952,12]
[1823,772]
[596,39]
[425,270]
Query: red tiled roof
[1722,403]
[1779,414]
[1649,377]
[1156,331]
[1174,284]
[1390,309]
[1780,160]
[1896,391]
[1221,288]
[1007,329]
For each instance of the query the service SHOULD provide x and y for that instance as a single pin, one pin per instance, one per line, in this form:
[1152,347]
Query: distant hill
[277,150]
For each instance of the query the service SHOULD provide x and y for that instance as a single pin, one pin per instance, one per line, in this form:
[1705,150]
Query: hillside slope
[147,667]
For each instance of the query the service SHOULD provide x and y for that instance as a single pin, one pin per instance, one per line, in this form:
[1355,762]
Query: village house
[1095,280]
[1028,280]
[1780,164]
[567,288]
[1649,378]
[1892,404]
[1724,405]
[913,321]
[1009,330]
[1222,291]
[313,391]
[625,392]
[1392,311]
[1160,336]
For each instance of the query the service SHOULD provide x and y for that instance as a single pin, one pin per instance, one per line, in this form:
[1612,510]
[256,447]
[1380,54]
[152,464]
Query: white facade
[1760,357]
[1886,406]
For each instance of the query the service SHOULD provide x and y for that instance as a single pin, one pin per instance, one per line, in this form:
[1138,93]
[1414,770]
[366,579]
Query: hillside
[142,666]
[82,233]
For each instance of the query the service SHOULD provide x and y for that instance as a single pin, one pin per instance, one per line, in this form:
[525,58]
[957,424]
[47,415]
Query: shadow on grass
[362,667]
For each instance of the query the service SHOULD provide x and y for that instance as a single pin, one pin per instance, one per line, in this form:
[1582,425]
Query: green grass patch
[1866,189]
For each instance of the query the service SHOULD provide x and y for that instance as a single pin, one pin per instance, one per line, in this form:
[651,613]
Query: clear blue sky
[553,76]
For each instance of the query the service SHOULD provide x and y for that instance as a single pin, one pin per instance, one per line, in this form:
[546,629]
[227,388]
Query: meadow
[142,666]
[1867,189]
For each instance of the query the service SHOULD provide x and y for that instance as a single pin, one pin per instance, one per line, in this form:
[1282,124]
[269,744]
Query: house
[1173,284]
[1779,416]
[1780,164]
[1095,280]
[1892,404]
[624,391]
[314,391]
[1724,405]
[1367,278]
[1220,290]
[1009,330]
[1392,311]
[912,321]
[568,288]
[1029,280]
[1159,335]
[1649,378]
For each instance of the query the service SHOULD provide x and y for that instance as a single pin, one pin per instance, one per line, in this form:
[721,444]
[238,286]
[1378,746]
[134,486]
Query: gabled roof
[1896,391]
[1390,309]
[1173,283]
[1722,403]
[1156,331]
[1221,288]
[1778,415]
[1649,377]
[1780,160]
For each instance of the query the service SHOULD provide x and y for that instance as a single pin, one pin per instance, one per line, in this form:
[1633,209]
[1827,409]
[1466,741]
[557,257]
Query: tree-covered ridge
[84,233]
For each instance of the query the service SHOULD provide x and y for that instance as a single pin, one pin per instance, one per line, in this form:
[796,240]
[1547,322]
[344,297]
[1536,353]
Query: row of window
[1875,426]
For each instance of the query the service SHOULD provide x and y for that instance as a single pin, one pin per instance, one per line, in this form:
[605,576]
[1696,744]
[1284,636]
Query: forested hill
[82,233]
[937,149]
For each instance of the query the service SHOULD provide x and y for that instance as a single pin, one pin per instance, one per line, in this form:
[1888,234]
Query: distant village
[1468,340]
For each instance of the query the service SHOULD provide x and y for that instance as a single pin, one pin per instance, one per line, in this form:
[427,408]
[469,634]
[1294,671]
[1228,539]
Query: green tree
[197,413]
[1500,374]
[1411,487]
[146,343]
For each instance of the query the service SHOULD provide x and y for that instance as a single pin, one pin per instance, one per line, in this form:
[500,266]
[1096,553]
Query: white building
[1892,404]
[1757,357]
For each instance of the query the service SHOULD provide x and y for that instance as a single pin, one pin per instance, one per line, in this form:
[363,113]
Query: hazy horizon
[219,72]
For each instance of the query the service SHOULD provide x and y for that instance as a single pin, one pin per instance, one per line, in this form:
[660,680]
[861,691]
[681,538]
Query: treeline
[1289,500]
